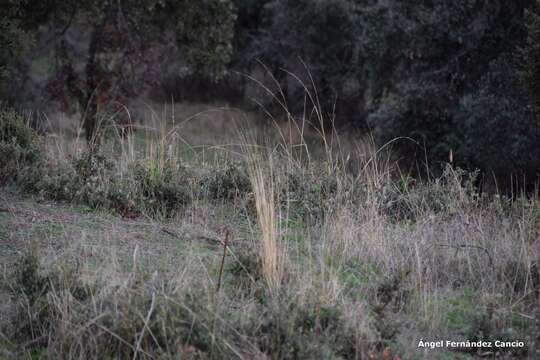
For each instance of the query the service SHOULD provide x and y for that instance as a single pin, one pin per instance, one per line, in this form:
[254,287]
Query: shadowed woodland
[269,179]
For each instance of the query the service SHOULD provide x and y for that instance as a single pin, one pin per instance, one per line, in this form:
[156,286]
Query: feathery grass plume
[260,172]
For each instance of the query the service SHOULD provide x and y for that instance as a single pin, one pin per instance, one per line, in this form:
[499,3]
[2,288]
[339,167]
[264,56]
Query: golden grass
[271,252]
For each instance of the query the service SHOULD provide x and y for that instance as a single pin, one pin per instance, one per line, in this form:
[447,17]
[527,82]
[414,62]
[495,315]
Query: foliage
[249,40]
[530,71]
[93,179]
[229,182]
[293,331]
[434,58]
[86,179]
[320,34]
[124,47]
[449,194]
[13,42]
[213,19]
[19,147]
[13,38]
[309,196]
[31,282]
[444,74]
[161,192]
[499,130]
[435,72]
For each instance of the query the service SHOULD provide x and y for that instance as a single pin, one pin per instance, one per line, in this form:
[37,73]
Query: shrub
[500,129]
[161,192]
[94,176]
[292,331]
[309,195]
[18,146]
[229,182]
[31,283]
[85,179]
[418,121]
[61,303]
[452,86]
[58,183]
[93,179]
[452,192]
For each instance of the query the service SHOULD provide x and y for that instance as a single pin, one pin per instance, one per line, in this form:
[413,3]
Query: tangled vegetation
[348,266]
[393,201]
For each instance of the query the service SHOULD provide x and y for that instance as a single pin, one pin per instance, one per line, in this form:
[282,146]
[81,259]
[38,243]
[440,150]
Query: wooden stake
[225,243]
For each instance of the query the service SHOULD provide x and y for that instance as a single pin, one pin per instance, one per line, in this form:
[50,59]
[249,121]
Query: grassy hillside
[271,241]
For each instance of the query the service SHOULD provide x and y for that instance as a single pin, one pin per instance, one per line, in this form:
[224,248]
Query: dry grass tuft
[271,252]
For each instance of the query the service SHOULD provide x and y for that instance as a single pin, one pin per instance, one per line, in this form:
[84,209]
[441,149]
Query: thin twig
[467,246]
[199,237]
[146,321]
[225,243]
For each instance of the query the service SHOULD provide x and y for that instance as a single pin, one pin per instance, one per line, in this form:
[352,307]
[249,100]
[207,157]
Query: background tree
[124,44]
[433,71]
[530,70]
[15,39]
[426,62]
[440,72]
[307,38]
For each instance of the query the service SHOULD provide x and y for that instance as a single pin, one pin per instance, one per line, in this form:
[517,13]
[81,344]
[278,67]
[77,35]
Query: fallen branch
[467,246]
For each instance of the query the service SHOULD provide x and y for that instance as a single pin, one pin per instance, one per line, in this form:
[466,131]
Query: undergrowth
[322,263]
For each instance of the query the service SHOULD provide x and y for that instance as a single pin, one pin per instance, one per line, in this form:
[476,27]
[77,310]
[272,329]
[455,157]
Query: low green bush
[161,192]
[31,282]
[57,183]
[93,179]
[408,199]
[19,147]
[85,179]
[308,196]
[293,331]
[228,182]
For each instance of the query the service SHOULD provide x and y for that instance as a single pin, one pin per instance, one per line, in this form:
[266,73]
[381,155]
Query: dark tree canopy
[454,76]
[413,69]
[124,45]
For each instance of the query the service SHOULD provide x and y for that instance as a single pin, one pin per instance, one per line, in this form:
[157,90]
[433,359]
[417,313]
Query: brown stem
[225,243]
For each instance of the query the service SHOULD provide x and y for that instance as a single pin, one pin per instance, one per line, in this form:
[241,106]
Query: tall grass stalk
[260,172]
